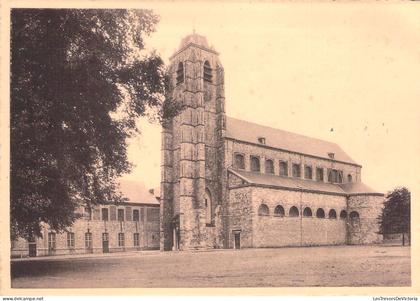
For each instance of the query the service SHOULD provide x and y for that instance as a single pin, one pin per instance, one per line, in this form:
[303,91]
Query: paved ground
[316,266]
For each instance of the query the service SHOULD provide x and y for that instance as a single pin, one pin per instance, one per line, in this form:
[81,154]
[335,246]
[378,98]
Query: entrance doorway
[32,249]
[237,240]
[105,242]
[175,238]
[176,235]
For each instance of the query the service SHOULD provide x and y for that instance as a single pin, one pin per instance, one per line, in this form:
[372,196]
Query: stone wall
[192,151]
[271,231]
[365,229]
[240,217]
[275,231]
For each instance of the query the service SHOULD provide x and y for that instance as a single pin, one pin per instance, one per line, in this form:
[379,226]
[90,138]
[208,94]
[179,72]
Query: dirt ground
[284,267]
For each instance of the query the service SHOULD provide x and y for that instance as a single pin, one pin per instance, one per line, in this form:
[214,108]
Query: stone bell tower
[192,150]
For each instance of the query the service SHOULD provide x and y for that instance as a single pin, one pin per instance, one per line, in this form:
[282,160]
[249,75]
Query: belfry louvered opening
[207,72]
[180,73]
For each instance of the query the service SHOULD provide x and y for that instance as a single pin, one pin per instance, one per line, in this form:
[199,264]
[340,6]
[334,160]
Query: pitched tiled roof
[357,188]
[267,180]
[250,132]
[136,192]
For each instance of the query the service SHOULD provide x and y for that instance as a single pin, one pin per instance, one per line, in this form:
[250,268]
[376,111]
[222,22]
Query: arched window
[296,170]
[279,211]
[255,163]
[283,169]
[269,166]
[349,178]
[307,212]
[332,214]
[354,218]
[208,204]
[335,176]
[239,161]
[293,212]
[263,210]
[340,176]
[207,72]
[180,73]
[319,174]
[343,214]
[354,215]
[308,172]
[320,213]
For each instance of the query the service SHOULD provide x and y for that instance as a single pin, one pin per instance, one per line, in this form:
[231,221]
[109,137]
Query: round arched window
[332,214]
[180,73]
[320,213]
[263,210]
[307,212]
[293,212]
[279,211]
[207,74]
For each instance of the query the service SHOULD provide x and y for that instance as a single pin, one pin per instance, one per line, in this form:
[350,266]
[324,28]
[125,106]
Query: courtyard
[283,267]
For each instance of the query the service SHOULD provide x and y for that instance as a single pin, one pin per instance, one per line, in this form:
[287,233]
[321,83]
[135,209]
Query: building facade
[128,226]
[228,183]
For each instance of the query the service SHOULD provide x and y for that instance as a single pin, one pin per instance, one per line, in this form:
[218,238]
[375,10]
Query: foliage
[395,217]
[79,80]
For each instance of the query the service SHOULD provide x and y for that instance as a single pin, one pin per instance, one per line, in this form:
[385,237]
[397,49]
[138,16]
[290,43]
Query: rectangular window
[308,172]
[320,174]
[88,240]
[121,240]
[142,214]
[112,213]
[51,241]
[296,170]
[96,214]
[153,214]
[283,169]
[137,239]
[70,240]
[105,236]
[105,214]
[128,213]
[88,213]
[136,216]
[121,215]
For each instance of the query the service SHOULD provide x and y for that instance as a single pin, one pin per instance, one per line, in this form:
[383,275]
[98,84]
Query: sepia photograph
[211,145]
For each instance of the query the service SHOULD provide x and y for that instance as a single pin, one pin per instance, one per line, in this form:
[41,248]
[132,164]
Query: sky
[343,72]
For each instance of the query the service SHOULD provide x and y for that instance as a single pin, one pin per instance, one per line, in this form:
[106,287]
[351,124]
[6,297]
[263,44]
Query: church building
[229,183]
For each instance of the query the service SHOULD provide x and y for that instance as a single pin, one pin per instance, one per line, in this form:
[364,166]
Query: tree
[79,80]
[395,216]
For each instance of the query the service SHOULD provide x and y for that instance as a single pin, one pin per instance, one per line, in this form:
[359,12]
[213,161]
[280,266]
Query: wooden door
[32,249]
[237,241]
[105,242]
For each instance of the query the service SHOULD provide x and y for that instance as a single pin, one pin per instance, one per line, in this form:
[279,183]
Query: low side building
[128,226]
